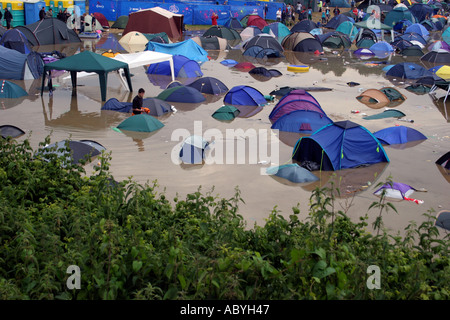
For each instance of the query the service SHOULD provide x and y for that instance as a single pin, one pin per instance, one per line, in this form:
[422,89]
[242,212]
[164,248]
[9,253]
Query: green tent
[121,22]
[151,36]
[226,113]
[88,61]
[390,113]
[141,123]
[9,89]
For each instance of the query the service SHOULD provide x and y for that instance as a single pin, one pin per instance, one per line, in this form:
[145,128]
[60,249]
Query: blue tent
[279,30]
[408,70]
[419,29]
[183,68]
[115,105]
[305,25]
[233,23]
[209,85]
[382,46]
[340,145]
[193,150]
[9,90]
[302,121]
[15,39]
[244,95]
[292,172]
[420,11]
[188,48]
[19,66]
[398,135]
[414,37]
[259,52]
[398,14]
[156,107]
[337,20]
[182,94]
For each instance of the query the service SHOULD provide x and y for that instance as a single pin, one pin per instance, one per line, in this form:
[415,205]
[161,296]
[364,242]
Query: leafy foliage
[131,242]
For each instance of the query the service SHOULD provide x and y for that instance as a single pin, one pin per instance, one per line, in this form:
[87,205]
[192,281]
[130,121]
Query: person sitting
[138,101]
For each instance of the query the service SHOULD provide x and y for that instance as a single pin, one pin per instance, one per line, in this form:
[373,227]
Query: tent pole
[43,81]
[73,77]
[172,72]
[103,82]
[128,77]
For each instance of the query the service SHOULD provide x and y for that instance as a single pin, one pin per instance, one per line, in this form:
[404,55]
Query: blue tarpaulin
[188,48]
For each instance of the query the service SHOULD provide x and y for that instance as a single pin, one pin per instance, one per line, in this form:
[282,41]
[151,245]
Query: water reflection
[350,182]
[32,87]
[138,137]
[74,119]
[443,108]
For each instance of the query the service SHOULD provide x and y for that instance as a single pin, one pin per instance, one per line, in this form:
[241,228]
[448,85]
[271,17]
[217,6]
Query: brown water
[147,157]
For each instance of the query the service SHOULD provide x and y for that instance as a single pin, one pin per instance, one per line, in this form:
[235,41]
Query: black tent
[49,31]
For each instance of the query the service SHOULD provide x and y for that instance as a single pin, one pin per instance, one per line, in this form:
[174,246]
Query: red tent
[101,19]
[255,20]
[156,20]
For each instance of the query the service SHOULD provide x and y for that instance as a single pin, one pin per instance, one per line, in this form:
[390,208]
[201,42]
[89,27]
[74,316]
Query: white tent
[136,60]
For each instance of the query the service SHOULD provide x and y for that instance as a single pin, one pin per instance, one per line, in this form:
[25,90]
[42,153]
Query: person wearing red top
[214,18]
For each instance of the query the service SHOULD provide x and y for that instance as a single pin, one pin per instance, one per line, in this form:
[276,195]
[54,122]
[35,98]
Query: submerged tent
[193,150]
[155,20]
[296,99]
[334,40]
[407,70]
[398,135]
[183,67]
[209,85]
[264,40]
[302,121]
[244,95]
[212,43]
[7,130]
[440,56]
[10,90]
[18,66]
[141,123]
[443,219]
[88,61]
[444,161]
[226,113]
[49,31]
[183,94]
[73,151]
[292,172]
[15,39]
[249,33]
[340,145]
[188,48]
[155,107]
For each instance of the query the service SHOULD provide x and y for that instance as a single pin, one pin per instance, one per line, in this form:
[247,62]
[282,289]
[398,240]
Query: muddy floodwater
[153,156]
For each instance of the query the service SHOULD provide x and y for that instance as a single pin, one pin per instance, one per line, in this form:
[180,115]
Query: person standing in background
[214,18]
[279,15]
[8,17]
[266,10]
[42,14]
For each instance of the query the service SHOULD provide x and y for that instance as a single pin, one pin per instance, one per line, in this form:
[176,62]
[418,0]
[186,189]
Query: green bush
[130,242]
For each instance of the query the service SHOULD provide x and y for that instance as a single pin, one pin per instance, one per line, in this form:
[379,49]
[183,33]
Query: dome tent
[340,145]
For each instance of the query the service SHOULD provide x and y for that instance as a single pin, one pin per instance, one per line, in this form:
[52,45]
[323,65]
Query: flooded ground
[148,157]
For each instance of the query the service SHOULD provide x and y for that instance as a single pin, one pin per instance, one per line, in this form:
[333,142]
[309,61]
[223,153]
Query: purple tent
[397,190]
[293,101]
